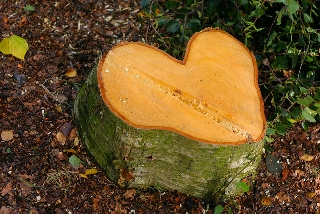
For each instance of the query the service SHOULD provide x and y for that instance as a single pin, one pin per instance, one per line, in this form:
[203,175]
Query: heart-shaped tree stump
[157,121]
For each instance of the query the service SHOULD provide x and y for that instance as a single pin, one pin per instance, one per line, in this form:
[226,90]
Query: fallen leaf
[91,171]
[282,197]
[66,129]
[129,194]
[273,164]
[83,176]
[311,194]
[5,210]
[298,173]
[5,19]
[7,189]
[74,161]
[285,174]
[72,134]
[265,185]
[61,156]
[61,98]
[95,203]
[266,201]
[127,174]
[7,135]
[23,21]
[61,138]
[307,157]
[14,45]
[76,141]
[70,151]
[71,72]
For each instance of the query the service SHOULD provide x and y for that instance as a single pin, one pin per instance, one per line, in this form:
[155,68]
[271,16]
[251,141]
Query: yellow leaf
[311,194]
[14,45]
[307,157]
[83,176]
[7,135]
[70,151]
[61,138]
[91,171]
[266,201]
[71,72]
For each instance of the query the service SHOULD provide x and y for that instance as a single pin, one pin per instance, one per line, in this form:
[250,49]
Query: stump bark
[153,153]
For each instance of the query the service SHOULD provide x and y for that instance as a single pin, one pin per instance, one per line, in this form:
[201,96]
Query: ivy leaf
[173,26]
[292,6]
[280,62]
[305,101]
[14,45]
[309,114]
[144,3]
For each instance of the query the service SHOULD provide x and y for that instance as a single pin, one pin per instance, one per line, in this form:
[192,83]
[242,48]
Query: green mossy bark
[158,158]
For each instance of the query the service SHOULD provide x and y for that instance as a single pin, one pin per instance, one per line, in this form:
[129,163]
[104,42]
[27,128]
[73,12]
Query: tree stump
[146,127]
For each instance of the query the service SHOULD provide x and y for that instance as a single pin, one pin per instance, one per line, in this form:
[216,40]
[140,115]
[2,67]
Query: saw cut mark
[192,102]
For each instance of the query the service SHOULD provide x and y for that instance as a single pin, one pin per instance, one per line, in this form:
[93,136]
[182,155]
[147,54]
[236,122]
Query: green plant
[29,9]
[283,35]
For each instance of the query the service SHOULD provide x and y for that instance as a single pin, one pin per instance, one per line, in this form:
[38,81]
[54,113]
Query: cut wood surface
[211,96]
[147,122]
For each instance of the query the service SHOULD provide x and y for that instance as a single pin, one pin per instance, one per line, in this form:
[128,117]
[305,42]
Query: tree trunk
[140,158]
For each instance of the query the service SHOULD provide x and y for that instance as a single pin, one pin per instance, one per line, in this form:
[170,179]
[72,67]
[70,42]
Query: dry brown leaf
[127,174]
[265,185]
[7,189]
[285,174]
[5,210]
[129,194]
[307,157]
[72,134]
[311,194]
[23,21]
[61,156]
[61,138]
[266,201]
[7,135]
[95,203]
[298,173]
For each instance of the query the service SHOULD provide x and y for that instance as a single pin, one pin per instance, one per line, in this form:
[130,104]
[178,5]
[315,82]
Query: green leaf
[305,101]
[173,26]
[280,62]
[309,114]
[307,18]
[74,160]
[14,45]
[29,8]
[303,90]
[144,3]
[269,139]
[304,126]
[292,6]
[218,209]
[272,37]
[243,186]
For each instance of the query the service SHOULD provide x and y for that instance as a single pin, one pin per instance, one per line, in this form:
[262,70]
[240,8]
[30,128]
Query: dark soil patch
[35,105]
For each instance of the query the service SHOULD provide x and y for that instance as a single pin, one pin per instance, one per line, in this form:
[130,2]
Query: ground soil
[36,99]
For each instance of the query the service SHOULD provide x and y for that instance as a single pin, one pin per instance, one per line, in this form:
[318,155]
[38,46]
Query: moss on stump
[137,158]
